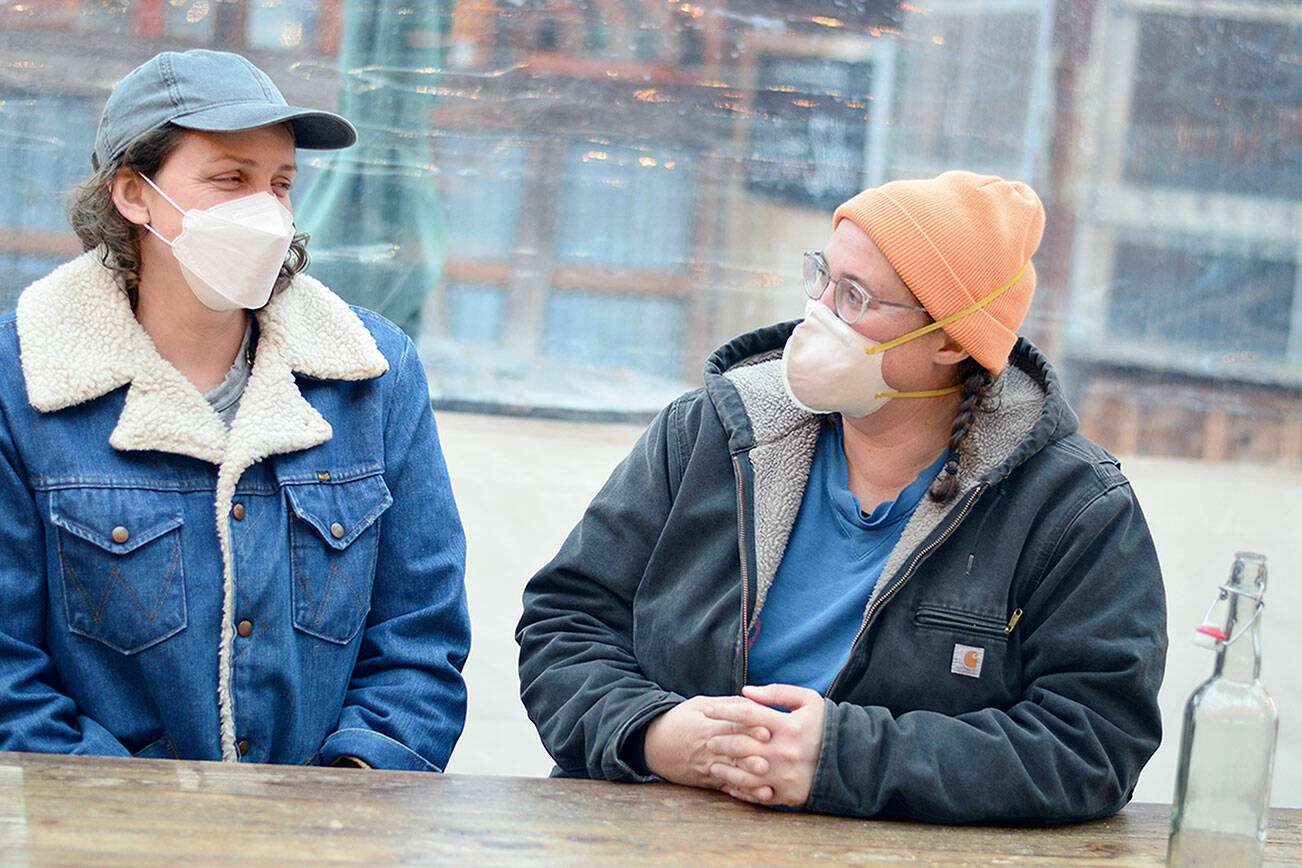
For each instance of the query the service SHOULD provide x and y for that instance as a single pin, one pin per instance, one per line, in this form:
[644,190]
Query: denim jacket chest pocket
[119,553]
[334,540]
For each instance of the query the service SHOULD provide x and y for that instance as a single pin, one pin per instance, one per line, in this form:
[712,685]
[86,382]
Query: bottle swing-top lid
[1212,633]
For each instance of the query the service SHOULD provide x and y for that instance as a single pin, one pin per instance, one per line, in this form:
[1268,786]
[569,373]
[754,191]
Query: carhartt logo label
[967,661]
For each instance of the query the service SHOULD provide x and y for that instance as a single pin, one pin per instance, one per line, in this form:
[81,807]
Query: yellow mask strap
[928,393]
[941,323]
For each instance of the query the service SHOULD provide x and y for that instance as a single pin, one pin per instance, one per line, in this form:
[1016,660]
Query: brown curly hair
[99,224]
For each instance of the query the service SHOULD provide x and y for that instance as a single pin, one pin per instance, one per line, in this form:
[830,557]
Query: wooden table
[90,810]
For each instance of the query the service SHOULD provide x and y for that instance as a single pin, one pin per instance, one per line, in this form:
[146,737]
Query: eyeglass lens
[849,300]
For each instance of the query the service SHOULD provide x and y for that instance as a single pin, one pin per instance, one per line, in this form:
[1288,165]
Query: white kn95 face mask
[230,254]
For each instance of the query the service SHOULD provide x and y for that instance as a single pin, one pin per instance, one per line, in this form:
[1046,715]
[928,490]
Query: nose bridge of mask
[261,211]
[954,317]
[250,211]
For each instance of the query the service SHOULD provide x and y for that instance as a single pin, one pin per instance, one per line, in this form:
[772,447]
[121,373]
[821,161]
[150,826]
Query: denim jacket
[1008,662]
[288,591]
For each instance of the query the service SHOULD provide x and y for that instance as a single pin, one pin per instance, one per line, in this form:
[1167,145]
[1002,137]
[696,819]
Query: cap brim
[317,130]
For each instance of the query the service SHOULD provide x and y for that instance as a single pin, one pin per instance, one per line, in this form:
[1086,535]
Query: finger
[749,713]
[712,728]
[729,727]
[783,695]
[736,747]
[756,764]
[740,795]
[735,776]
[722,727]
[761,795]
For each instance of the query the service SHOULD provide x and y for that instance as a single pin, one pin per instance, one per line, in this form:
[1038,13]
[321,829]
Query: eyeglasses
[852,300]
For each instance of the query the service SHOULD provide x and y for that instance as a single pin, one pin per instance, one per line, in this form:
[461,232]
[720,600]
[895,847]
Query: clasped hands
[742,745]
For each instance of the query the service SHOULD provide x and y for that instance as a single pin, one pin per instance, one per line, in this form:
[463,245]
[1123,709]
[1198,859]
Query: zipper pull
[1012,622]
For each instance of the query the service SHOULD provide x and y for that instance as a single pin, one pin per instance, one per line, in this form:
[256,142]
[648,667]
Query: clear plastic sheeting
[570,204]
[374,208]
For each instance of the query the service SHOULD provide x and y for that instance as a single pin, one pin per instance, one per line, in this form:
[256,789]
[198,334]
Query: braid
[978,388]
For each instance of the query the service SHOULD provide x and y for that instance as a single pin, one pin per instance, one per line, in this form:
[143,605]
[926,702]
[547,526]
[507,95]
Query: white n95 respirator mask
[829,367]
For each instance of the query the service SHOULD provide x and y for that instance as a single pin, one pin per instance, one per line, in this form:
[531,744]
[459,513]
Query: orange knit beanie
[955,240]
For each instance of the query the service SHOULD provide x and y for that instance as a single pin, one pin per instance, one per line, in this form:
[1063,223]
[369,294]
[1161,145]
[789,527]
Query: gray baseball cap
[214,91]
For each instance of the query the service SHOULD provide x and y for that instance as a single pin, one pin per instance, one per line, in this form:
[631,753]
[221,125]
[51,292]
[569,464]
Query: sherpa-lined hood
[744,381]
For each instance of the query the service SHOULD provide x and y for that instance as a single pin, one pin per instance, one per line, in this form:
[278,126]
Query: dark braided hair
[977,397]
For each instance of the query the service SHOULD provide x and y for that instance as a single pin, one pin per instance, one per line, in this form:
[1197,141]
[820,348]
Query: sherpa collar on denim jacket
[79,340]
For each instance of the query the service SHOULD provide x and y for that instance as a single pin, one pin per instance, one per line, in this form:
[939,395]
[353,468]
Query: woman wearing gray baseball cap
[229,528]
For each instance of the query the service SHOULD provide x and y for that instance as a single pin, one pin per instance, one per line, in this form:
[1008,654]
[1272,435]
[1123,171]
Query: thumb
[787,696]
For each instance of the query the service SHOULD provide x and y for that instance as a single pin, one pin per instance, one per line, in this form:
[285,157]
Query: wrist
[657,745]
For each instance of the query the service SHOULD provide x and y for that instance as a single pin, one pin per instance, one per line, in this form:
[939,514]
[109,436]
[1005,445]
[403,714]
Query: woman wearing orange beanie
[871,567]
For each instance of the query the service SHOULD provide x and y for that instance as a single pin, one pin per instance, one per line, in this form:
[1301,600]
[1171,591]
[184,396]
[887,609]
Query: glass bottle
[1227,744]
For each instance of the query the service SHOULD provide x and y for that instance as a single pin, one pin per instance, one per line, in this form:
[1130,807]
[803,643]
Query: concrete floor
[523,483]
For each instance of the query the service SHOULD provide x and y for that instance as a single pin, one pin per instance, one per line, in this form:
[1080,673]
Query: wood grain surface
[90,810]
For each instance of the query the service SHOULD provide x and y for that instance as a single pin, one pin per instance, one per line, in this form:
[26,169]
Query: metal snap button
[243,746]
[337,530]
[120,535]
[238,511]
[245,628]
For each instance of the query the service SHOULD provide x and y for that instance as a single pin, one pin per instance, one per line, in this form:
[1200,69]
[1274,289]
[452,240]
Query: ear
[128,193]
[949,352]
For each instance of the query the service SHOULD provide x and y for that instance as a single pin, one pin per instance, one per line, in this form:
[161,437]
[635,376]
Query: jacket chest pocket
[120,563]
[334,538]
[961,622]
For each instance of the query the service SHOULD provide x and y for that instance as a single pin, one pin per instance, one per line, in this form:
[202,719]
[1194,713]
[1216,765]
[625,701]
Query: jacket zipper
[745,573]
[904,577]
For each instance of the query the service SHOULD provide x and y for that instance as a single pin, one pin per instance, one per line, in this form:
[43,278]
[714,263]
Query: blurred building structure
[625,184]
[1184,303]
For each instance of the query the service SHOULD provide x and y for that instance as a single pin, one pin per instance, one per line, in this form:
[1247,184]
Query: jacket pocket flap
[114,520]
[340,511]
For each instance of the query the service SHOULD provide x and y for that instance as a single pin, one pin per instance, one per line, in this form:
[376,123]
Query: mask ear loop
[170,201]
[938,324]
[158,235]
[941,323]
[159,191]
